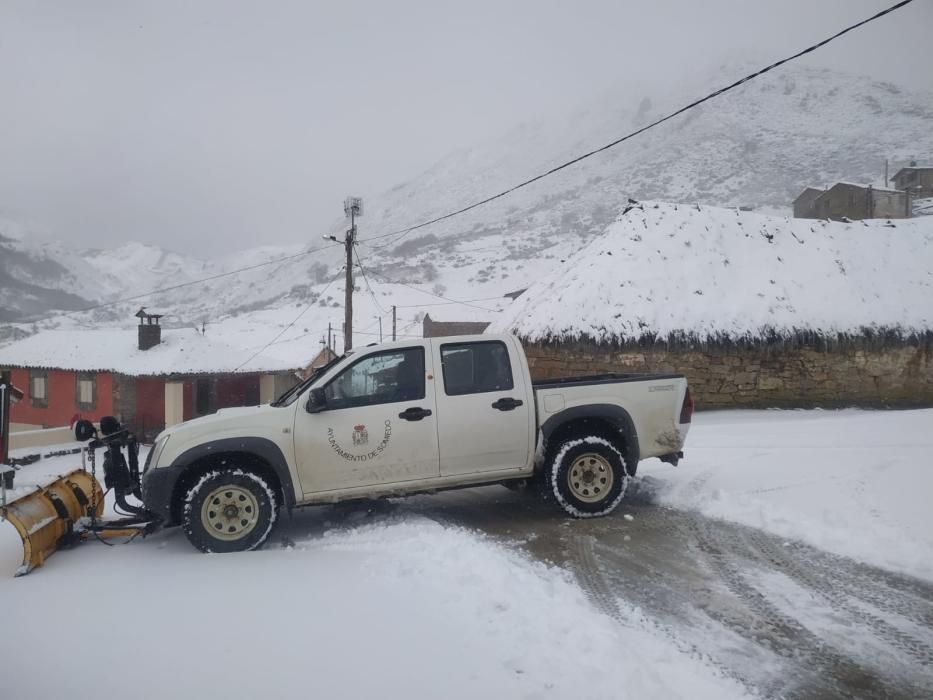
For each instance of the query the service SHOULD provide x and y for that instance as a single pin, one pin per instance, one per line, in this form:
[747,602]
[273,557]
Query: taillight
[686,410]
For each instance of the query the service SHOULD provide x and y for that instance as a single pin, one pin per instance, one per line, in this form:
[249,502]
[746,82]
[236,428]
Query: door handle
[508,404]
[414,413]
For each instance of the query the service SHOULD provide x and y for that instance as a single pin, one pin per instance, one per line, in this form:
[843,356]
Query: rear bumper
[158,488]
[672,458]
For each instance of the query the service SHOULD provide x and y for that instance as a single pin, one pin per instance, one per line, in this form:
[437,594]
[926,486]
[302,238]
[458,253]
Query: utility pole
[380,329]
[348,292]
[330,341]
[393,322]
[6,395]
[352,207]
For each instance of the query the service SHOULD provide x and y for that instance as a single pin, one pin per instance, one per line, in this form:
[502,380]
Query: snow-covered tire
[587,476]
[229,511]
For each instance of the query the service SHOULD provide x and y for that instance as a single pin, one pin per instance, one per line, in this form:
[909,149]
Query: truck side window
[476,368]
[385,377]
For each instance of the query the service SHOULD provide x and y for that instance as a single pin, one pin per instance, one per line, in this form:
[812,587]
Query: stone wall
[729,376]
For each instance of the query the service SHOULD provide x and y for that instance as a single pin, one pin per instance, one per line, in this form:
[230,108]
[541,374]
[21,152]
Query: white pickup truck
[413,417]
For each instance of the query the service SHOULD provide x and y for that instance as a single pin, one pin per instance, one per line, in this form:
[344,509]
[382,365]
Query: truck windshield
[292,394]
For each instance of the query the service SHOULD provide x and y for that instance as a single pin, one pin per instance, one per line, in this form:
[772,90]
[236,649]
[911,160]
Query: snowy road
[783,617]
[675,595]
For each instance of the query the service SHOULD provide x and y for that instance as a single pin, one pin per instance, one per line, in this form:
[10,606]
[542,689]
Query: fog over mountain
[756,147]
[213,127]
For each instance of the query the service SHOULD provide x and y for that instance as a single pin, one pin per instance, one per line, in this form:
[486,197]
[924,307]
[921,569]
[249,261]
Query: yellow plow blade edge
[45,518]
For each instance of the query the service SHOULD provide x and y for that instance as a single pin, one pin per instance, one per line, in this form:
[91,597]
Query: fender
[263,448]
[611,413]
[159,483]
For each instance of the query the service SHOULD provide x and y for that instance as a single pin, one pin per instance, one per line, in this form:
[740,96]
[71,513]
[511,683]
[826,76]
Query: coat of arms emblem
[360,436]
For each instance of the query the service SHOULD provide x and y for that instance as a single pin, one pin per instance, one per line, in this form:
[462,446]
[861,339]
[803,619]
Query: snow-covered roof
[809,191]
[865,187]
[669,271]
[182,351]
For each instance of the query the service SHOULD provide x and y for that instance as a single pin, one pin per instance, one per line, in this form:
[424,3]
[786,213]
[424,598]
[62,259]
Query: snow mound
[404,609]
[855,483]
[666,271]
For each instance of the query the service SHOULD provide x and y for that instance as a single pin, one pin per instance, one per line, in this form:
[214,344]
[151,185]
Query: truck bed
[652,403]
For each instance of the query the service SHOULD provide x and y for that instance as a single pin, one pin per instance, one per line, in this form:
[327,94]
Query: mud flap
[46,518]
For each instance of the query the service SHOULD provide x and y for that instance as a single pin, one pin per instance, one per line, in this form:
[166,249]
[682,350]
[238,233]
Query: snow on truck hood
[225,417]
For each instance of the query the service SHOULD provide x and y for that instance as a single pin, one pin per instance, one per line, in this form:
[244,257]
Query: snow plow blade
[47,517]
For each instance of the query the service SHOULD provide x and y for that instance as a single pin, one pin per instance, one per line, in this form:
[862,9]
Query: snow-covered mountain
[755,147]
[36,277]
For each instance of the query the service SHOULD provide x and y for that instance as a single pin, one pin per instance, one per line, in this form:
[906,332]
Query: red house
[147,378]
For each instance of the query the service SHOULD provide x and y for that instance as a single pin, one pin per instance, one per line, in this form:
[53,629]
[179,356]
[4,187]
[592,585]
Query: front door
[378,425]
[485,410]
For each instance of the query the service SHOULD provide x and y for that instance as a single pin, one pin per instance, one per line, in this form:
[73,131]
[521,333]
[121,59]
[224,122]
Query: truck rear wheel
[229,511]
[588,476]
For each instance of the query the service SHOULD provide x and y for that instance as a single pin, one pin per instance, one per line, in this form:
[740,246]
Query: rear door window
[476,368]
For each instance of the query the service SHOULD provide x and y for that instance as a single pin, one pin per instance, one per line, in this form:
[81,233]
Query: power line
[185,284]
[366,280]
[444,303]
[400,335]
[439,296]
[404,232]
[321,331]
[293,322]
[324,330]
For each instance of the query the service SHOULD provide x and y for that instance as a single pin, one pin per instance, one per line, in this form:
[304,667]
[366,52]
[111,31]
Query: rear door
[378,425]
[484,413]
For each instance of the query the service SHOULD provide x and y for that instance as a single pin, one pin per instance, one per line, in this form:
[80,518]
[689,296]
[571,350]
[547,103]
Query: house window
[39,388]
[86,391]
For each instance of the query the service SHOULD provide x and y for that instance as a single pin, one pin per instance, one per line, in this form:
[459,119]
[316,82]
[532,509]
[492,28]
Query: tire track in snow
[699,580]
[807,570]
[765,623]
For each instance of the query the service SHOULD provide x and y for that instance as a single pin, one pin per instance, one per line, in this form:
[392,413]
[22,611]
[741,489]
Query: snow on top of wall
[182,351]
[708,273]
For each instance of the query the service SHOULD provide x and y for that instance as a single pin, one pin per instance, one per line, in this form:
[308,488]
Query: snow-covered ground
[402,608]
[856,483]
[401,603]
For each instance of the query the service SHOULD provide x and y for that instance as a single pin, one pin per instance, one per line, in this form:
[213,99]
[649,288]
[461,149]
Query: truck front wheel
[229,511]
[587,476]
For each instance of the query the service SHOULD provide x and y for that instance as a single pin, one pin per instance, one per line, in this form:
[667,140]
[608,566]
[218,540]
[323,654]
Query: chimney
[150,332]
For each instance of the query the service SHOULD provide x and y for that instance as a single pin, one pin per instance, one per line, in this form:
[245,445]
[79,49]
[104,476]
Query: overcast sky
[222,124]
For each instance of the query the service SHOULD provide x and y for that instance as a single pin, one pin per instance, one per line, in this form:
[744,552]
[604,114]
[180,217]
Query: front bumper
[158,488]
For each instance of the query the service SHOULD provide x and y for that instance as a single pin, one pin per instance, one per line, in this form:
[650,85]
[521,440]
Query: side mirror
[317,401]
